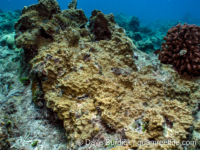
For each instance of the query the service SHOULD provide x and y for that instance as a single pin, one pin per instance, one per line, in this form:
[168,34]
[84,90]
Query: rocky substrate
[21,122]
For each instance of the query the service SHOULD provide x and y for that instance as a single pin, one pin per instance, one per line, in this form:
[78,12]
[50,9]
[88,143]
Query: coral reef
[95,80]
[145,45]
[181,49]
[98,84]
[134,24]
[7,21]
[41,31]
[144,38]
[147,38]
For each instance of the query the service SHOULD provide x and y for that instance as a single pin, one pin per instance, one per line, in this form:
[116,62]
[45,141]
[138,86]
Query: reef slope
[90,77]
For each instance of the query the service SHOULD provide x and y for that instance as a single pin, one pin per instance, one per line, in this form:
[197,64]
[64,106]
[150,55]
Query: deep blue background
[146,10]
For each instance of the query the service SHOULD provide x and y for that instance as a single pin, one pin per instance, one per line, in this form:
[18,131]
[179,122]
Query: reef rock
[134,24]
[73,4]
[101,25]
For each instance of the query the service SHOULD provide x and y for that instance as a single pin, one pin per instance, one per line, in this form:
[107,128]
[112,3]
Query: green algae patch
[34,143]
[25,81]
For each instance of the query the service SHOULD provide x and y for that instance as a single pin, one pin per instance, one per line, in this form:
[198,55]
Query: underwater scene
[99,75]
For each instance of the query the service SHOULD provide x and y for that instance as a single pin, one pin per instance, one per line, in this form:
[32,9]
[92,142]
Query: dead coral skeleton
[22,142]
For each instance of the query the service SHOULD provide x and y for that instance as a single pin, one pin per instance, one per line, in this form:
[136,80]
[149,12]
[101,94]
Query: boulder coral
[8,40]
[101,25]
[95,86]
[181,49]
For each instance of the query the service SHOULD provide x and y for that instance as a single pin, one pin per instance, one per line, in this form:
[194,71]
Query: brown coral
[100,25]
[181,49]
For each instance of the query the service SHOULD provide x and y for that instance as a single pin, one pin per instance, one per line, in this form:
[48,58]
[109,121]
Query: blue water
[146,10]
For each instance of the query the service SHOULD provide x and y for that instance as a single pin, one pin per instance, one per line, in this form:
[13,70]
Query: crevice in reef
[26,55]
[22,28]
[108,128]
[45,35]
[38,98]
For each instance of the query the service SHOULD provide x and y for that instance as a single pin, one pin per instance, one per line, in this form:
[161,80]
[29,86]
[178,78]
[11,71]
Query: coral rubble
[88,76]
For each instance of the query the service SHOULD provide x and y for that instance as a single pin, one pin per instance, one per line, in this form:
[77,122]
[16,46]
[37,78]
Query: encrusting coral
[181,49]
[96,88]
